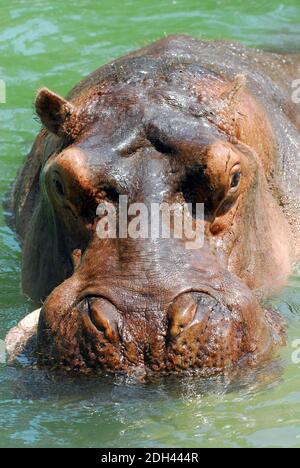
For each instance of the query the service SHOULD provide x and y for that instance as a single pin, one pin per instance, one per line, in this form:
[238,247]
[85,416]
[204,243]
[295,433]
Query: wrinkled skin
[181,120]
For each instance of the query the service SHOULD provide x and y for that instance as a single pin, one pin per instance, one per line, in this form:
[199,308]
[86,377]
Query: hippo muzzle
[164,321]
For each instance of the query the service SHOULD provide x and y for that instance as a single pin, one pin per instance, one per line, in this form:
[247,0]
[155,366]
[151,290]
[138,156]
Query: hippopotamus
[181,120]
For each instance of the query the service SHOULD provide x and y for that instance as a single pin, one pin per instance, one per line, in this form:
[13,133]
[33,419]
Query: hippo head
[155,134]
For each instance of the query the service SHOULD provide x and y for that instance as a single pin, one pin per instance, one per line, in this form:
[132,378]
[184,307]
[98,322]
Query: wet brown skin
[180,120]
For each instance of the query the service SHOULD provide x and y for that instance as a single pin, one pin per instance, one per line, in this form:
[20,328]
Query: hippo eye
[235,180]
[59,188]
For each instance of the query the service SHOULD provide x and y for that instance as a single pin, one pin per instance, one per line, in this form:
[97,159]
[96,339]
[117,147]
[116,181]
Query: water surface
[55,44]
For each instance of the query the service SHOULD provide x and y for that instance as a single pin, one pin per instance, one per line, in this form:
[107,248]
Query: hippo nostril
[181,313]
[105,317]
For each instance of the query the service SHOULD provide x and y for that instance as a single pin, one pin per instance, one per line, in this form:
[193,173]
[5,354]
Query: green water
[55,44]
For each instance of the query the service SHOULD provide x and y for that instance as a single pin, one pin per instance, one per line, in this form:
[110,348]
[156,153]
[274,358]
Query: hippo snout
[193,331]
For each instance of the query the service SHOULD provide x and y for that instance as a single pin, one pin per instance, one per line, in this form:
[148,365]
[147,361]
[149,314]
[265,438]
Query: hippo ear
[232,94]
[54,111]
